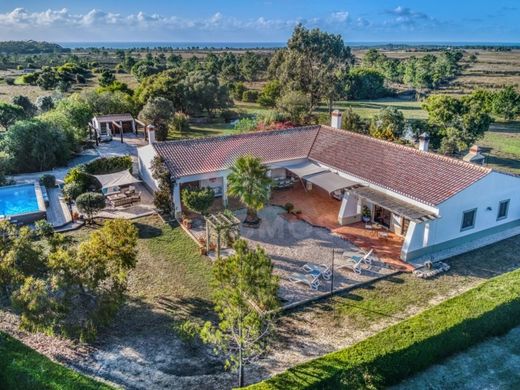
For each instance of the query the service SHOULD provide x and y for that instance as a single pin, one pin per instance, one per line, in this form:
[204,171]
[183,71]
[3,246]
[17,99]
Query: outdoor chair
[365,259]
[311,281]
[318,270]
[352,265]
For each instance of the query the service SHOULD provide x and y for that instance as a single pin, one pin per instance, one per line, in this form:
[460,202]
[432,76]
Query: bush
[250,96]
[245,125]
[83,181]
[489,310]
[289,207]
[90,203]
[270,93]
[48,180]
[9,81]
[180,123]
[198,200]
[106,165]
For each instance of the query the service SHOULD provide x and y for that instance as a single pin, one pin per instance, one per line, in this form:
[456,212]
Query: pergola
[219,223]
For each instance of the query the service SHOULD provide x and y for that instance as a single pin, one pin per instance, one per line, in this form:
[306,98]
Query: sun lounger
[352,265]
[318,270]
[365,259]
[308,279]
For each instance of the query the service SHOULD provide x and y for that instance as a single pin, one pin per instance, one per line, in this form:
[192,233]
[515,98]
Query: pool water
[18,199]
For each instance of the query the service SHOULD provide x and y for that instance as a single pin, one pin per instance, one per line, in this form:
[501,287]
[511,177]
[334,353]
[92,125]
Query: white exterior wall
[487,192]
[145,156]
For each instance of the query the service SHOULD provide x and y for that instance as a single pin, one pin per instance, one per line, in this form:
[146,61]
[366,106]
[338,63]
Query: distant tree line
[30,47]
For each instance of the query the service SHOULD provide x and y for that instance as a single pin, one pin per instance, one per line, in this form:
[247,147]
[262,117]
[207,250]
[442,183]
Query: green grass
[412,345]
[23,368]
[502,146]
[168,264]
[368,108]
[204,130]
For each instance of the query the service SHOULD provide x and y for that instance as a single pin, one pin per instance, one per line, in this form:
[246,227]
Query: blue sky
[260,21]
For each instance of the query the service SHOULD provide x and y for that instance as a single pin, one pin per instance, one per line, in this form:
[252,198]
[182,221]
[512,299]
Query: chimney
[151,133]
[424,142]
[335,119]
[475,156]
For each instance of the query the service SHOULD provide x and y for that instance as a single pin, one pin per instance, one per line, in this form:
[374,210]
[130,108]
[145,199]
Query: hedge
[388,357]
[106,165]
[23,368]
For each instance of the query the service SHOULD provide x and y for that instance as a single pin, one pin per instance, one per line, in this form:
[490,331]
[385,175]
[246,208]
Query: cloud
[407,18]
[339,16]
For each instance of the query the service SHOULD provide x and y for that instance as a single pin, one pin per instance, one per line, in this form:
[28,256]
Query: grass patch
[368,108]
[203,130]
[412,345]
[501,144]
[23,368]
[169,267]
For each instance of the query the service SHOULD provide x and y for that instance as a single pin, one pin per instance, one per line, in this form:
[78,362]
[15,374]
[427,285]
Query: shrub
[84,181]
[106,165]
[250,96]
[9,81]
[180,123]
[245,125]
[491,309]
[289,207]
[198,199]
[72,190]
[90,203]
[48,180]
[270,93]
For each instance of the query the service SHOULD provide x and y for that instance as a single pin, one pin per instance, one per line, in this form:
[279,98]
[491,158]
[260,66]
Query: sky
[259,21]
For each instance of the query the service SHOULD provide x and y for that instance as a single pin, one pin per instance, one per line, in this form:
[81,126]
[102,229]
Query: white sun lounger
[366,258]
[318,270]
[308,279]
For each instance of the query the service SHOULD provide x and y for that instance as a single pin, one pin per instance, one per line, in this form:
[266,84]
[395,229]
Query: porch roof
[330,181]
[397,206]
[305,168]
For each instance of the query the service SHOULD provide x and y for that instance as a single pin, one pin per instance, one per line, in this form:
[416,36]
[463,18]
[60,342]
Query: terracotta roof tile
[203,155]
[427,177]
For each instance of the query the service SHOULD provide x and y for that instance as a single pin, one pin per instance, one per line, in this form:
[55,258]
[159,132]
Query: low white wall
[145,156]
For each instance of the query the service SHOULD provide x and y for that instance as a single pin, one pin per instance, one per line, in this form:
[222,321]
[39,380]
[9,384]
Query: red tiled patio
[319,209]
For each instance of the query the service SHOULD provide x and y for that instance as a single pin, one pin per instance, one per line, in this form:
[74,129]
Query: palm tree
[249,182]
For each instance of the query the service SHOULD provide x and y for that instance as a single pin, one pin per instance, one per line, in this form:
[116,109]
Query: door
[382,216]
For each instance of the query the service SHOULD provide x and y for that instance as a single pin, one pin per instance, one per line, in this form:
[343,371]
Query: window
[468,219]
[503,208]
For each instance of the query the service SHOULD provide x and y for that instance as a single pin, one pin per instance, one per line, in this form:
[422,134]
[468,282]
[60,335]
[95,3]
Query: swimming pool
[21,199]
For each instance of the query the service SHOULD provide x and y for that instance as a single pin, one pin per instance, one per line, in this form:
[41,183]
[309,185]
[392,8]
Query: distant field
[368,108]
[502,146]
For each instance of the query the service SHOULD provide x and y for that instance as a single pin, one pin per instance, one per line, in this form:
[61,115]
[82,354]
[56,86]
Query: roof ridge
[414,150]
[242,135]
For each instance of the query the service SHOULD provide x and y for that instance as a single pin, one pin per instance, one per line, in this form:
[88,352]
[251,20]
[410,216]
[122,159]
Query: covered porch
[319,208]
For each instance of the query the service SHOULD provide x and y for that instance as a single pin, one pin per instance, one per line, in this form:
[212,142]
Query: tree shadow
[146,231]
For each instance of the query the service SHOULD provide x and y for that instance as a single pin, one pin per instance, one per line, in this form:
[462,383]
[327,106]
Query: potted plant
[366,215]
[187,222]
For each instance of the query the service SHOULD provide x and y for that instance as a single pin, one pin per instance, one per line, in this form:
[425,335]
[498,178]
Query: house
[434,202]
[105,126]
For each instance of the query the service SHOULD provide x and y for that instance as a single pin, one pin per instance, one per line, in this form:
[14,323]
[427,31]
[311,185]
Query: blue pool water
[18,199]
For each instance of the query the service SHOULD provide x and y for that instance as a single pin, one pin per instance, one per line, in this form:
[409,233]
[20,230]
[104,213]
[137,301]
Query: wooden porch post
[121,130]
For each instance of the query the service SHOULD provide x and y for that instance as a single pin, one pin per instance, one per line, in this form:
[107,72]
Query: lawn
[412,345]
[23,368]
[368,108]
[198,130]
[168,266]
[502,145]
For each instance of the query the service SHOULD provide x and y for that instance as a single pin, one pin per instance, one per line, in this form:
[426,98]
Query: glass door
[382,216]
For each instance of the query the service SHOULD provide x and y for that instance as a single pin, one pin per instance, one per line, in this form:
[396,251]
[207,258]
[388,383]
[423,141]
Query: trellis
[219,223]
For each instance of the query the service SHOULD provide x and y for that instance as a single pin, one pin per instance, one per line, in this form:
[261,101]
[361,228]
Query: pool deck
[58,213]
